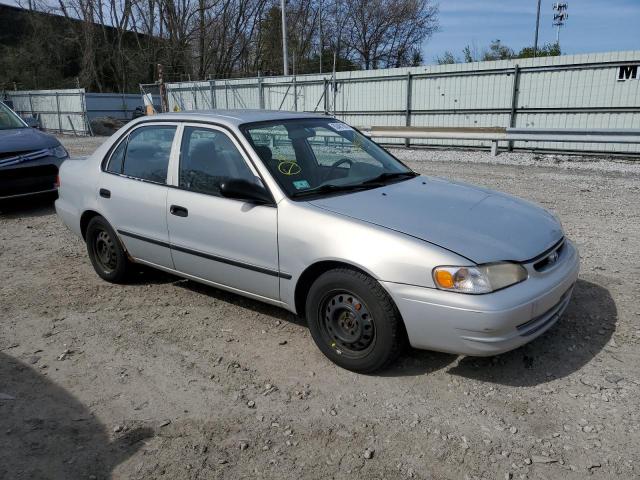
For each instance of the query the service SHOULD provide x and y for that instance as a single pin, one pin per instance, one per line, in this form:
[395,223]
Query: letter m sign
[628,72]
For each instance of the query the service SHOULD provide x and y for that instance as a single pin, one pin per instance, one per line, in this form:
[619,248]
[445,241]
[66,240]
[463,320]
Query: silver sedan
[304,212]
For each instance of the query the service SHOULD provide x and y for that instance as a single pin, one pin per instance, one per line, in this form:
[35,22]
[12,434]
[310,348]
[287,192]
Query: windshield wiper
[389,176]
[330,188]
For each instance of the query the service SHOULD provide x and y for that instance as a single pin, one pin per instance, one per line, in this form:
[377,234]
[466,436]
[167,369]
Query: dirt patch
[81,146]
[165,378]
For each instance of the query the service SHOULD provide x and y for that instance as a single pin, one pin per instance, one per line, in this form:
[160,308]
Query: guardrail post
[58,111]
[514,101]
[407,119]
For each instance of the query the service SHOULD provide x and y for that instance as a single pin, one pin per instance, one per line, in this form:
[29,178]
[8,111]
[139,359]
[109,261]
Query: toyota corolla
[305,212]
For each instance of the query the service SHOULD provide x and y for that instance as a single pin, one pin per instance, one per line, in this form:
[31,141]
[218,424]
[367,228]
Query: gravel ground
[165,378]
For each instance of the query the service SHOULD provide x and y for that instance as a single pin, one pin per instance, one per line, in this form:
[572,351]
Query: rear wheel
[106,253]
[353,320]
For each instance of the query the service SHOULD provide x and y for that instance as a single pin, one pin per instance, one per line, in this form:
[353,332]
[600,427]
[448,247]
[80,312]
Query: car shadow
[47,433]
[244,302]
[413,362]
[581,333]
[143,275]
[35,206]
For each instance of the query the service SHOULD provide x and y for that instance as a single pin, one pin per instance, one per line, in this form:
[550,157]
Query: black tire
[106,253]
[353,320]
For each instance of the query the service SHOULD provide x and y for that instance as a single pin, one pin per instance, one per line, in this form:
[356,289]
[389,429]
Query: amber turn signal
[444,279]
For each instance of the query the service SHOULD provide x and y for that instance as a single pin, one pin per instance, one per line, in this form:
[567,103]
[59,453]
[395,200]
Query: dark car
[29,158]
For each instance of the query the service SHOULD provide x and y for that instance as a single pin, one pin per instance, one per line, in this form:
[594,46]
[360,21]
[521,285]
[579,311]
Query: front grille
[18,181]
[550,259]
[550,316]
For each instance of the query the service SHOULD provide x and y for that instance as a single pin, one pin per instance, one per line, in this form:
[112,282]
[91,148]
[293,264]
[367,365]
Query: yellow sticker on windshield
[289,168]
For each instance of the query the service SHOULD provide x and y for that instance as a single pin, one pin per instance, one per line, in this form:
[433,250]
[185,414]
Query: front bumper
[490,324]
[36,177]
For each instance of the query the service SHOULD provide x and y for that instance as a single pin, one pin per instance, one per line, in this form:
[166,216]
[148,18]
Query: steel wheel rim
[105,251]
[347,324]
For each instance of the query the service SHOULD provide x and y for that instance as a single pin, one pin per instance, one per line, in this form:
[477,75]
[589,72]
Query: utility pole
[535,42]
[285,56]
[320,25]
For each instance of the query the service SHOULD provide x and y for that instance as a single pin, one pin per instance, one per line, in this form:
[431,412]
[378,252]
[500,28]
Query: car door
[232,243]
[133,192]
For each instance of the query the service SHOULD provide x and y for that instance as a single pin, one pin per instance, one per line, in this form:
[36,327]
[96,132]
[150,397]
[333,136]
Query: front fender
[308,235]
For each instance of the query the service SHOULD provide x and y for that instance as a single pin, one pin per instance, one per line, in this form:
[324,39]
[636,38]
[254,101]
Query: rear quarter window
[117,158]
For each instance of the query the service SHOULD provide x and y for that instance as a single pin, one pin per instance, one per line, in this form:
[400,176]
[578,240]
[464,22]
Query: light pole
[559,18]
[535,42]
[285,56]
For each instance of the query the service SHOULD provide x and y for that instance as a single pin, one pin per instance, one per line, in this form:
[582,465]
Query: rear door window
[147,153]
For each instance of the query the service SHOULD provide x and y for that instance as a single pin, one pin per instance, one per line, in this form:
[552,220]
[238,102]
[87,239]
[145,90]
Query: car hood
[25,140]
[479,224]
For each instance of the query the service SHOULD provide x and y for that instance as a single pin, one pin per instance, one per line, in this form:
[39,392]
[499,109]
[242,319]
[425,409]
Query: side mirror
[244,190]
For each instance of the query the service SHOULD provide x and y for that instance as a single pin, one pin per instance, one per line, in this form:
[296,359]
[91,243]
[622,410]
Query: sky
[593,26]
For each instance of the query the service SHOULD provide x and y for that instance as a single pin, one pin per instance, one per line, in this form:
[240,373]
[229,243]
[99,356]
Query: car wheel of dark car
[353,320]
[107,255]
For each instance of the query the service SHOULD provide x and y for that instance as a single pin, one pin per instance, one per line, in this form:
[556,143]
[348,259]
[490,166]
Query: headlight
[479,279]
[59,152]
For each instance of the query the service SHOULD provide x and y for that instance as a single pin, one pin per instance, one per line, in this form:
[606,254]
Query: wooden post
[494,148]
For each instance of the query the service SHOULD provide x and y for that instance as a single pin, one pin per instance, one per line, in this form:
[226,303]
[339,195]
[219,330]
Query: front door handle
[178,211]
[104,193]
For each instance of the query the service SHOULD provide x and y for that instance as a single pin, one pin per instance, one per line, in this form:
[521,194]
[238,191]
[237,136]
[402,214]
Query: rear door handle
[178,211]
[105,193]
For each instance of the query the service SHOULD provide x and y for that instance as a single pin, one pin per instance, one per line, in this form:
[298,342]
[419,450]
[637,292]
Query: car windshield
[322,156]
[8,119]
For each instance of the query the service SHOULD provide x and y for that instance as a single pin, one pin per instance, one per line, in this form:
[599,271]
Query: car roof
[231,118]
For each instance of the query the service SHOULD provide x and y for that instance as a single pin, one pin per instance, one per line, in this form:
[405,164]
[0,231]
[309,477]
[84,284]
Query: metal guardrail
[498,134]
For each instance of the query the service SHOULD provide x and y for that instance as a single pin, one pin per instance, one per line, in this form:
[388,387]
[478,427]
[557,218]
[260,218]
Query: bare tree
[116,44]
[383,32]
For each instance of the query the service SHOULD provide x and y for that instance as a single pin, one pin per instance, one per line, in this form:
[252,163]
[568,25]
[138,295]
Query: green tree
[447,58]
[498,51]
[547,50]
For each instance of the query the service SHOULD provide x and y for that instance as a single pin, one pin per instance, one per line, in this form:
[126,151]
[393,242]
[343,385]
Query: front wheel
[107,255]
[353,320]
